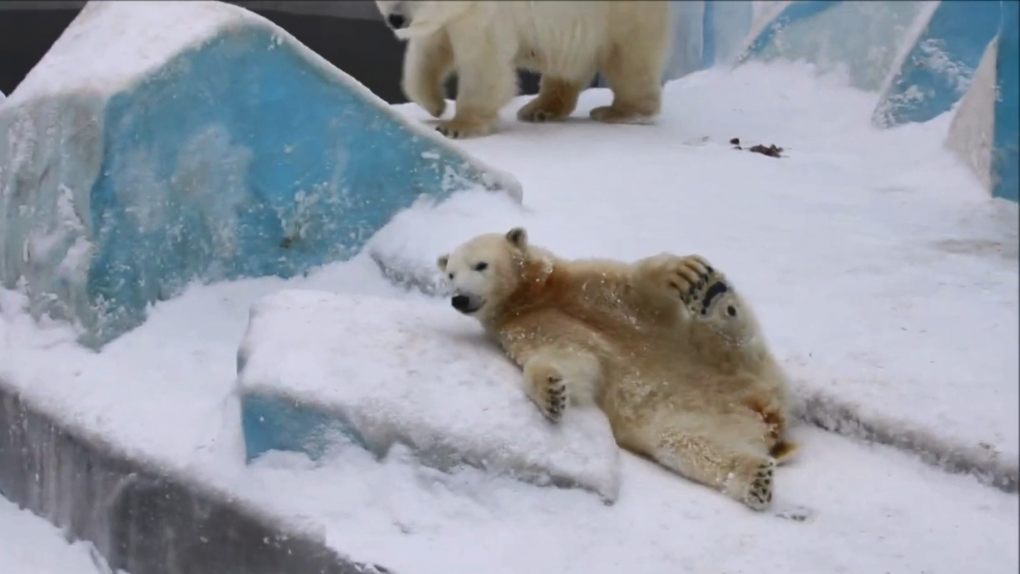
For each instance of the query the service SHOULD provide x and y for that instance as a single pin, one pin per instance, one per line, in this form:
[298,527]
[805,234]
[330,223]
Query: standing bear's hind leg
[556,100]
[633,64]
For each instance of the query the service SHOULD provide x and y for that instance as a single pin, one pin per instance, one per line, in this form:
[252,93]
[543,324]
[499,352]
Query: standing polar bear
[567,42]
[664,346]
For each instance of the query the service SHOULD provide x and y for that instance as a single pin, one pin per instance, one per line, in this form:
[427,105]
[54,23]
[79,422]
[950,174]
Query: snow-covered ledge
[138,516]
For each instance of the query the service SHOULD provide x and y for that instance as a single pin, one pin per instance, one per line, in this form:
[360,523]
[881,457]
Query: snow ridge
[828,412]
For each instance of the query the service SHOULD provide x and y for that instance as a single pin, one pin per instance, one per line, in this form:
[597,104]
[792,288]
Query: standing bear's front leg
[486,81]
[553,378]
[428,62]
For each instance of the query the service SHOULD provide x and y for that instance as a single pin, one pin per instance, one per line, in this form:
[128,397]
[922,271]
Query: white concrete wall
[973,127]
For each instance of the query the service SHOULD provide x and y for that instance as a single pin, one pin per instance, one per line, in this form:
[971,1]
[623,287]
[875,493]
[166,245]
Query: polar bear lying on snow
[486,41]
[664,346]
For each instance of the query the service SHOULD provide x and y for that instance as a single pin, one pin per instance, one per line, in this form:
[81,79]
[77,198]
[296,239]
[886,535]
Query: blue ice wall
[238,157]
[860,38]
[919,58]
[1005,143]
[941,62]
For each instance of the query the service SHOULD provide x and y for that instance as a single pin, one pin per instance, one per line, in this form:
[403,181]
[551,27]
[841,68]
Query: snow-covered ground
[883,276]
[30,545]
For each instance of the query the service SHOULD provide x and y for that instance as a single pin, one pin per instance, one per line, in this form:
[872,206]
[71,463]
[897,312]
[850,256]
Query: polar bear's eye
[450,275]
[481,266]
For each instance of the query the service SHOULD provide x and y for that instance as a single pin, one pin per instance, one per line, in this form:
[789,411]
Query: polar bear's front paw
[548,391]
[552,400]
[759,495]
[460,128]
[434,106]
[431,99]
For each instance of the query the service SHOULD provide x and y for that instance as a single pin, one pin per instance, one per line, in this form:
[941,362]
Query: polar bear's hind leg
[710,454]
[633,62]
[556,100]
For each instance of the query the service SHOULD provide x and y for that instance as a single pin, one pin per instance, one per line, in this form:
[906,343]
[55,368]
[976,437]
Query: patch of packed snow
[881,272]
[392,371]
[30,545]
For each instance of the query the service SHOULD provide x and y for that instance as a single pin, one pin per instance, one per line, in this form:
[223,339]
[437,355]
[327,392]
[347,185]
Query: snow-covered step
[30,545]
[317,370]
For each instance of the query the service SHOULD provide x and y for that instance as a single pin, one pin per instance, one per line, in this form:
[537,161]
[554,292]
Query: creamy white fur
[566,41]
[665,346]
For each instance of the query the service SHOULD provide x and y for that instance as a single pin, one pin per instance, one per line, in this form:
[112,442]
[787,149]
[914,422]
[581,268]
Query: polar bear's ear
[517,237]
[441,262]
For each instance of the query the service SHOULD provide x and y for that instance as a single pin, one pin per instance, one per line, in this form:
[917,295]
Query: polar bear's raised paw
[759,496]
[709,289]
[694,279]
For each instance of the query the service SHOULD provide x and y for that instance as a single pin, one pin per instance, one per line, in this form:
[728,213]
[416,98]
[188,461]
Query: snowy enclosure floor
[883,276]
[881,273]
[31,545]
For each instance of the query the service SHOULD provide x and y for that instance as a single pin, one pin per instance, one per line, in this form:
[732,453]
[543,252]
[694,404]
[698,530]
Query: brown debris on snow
[771,150]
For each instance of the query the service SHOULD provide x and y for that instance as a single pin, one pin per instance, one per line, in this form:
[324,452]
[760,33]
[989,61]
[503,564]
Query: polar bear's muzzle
[466,304]
[397,21]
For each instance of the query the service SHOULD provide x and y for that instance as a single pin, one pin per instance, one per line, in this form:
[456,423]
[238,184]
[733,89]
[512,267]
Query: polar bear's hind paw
[759,496]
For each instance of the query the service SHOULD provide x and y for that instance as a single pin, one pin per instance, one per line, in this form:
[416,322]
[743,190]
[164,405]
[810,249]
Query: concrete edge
[141,519]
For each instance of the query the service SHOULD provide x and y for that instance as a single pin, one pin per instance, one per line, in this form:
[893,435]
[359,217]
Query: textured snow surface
[882,274]
[30,545]
[425,376]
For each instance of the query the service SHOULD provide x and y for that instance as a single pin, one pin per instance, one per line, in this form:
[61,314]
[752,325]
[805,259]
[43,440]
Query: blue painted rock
[161,143]
[320,371]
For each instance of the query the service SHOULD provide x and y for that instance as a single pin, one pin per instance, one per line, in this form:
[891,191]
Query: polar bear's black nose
[396,21]
[460,302]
